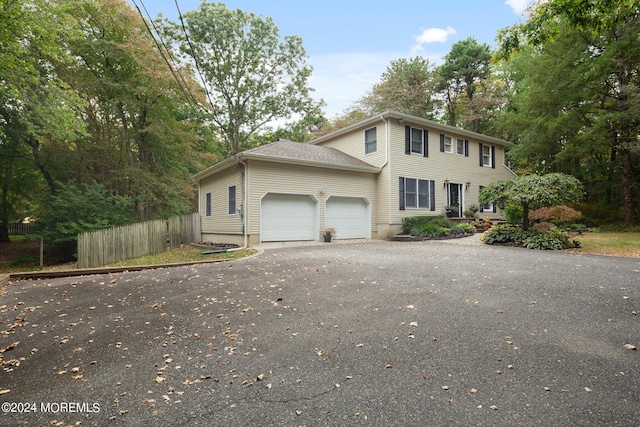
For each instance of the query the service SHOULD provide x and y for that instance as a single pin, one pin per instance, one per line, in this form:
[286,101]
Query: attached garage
[288,217]
[350,216]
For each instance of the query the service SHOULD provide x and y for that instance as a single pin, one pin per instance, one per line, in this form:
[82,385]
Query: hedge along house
[360,180]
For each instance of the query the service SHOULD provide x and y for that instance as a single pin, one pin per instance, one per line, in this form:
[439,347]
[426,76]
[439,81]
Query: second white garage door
[286,217]
[350,216]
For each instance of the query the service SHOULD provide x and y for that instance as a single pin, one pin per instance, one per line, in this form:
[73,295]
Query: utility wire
[184,29]
[189,97]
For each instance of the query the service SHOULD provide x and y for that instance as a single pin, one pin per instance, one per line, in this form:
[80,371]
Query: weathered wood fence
[19,228]
[115,244]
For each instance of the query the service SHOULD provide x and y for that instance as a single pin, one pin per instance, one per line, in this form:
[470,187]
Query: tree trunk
[35,149]
[627,188]
[525,216]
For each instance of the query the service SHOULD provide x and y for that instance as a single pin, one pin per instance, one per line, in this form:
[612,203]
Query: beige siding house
[360,180]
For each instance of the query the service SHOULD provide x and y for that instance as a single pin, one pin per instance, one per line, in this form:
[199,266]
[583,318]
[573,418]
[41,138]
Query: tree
[74,210]
[253,76]
[461,75]
[408,86]
[533,192]
[581,93]
[36,105]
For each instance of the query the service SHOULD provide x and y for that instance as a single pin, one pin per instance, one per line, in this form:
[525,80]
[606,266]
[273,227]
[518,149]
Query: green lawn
[184,254]
[610,243]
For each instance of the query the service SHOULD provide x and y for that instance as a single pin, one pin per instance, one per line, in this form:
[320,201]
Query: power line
[189,97]
[204,84]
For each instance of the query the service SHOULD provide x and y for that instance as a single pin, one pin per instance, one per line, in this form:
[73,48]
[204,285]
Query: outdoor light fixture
[468,184]
[446,183]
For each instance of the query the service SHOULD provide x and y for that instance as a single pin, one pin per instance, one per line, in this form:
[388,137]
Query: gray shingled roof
[313,153]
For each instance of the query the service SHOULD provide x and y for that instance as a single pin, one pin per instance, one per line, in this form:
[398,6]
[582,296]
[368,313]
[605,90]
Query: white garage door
[349,216]
[285,217]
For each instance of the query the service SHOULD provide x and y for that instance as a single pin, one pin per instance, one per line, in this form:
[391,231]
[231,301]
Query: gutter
[243,213]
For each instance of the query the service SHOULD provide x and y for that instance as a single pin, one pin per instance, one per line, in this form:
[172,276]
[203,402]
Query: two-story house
[360,180]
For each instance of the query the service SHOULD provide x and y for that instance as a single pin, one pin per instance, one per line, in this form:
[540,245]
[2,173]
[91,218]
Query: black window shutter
[466,148]
[432,194]
[481,156]
[401,193]
[493,156]
[425,143]
[407,140]
[442,142]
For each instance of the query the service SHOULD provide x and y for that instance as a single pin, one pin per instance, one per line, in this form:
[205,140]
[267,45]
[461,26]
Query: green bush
[549,240]
[505,234]
[468,228]
[429,230]
[410,222]
[514,214]
[532,239]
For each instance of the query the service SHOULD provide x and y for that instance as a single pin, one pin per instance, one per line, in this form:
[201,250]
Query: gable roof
[390,114]
[285,151]
[290,150]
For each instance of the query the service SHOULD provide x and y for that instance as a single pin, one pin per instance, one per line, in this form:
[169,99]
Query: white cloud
[431,35]
[518,6]
[435,35]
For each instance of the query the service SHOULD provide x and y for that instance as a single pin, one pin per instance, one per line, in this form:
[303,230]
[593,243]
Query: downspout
[243,212]
[387,136]
[386,161]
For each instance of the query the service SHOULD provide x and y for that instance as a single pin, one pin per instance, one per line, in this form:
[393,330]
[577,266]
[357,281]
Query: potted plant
[451,210]
[468,213]
[486,224]
[474,208]
[328,234]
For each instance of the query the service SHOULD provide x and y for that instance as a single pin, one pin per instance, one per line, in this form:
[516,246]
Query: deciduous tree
[252,74]
[533,192]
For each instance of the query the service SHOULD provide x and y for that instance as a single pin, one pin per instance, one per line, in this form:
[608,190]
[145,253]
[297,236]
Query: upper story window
[370,141]
[462,147]
[446,143]
[416,141]
[487,156]
[232,200]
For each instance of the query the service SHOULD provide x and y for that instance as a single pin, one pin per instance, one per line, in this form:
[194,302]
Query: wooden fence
[115,244]
[20,228]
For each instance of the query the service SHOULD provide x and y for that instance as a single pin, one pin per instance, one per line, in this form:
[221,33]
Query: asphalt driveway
[367,333]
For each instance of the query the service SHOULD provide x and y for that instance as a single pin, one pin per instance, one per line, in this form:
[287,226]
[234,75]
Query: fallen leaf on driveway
[629,347]
[413,324]
[5,391]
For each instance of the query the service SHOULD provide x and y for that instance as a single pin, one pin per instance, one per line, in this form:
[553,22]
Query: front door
[454,198]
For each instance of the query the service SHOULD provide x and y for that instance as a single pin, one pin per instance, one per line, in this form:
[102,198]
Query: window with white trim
[487,208]
[207,204]
[417,194]
[232,200]
[417,140]
[486,156]
[370,141]
[462,147]
[446,144]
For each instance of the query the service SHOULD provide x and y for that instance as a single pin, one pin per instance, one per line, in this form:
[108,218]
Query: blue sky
[351,42]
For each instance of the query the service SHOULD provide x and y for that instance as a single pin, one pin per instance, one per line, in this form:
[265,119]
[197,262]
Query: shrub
[532,239]
[560,213]
[513,213]
[409,223]
[429,230]
[468,228]
[505,234]
[550,240]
